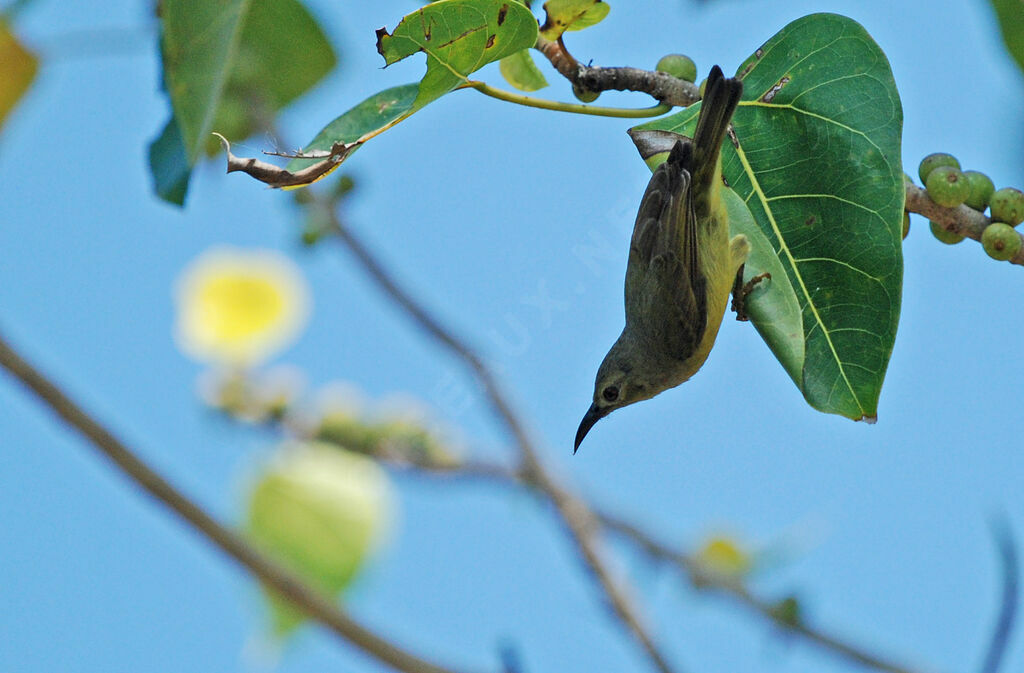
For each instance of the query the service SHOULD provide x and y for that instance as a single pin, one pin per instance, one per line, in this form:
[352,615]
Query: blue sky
[478,205]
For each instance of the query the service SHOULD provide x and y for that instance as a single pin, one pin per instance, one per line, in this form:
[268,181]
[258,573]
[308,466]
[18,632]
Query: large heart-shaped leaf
[816,159]
[773,306]
[459,37]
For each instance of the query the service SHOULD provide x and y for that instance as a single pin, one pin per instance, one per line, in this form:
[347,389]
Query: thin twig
[558,106]
[575,515]
[738,591]
[283,581]
[1006,548]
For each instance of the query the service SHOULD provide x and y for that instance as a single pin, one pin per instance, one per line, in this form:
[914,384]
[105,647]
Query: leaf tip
[382,33]
[870,420]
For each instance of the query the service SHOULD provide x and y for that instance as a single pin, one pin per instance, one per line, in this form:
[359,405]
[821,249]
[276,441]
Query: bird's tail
[721,96]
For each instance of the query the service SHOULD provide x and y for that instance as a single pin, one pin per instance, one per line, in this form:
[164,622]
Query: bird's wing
[665,287]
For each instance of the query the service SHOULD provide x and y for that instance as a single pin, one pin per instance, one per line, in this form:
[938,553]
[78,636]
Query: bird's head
[622,379]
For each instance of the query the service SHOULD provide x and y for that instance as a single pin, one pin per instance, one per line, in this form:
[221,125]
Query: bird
[682,266]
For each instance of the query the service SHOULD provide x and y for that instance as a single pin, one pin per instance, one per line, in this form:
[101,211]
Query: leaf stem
[576,108]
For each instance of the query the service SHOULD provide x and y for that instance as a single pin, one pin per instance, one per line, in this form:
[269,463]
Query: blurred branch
[703,580]
[584,522]
[1006,548]
[961,220]
[685,563]
[578,519]
[283,581]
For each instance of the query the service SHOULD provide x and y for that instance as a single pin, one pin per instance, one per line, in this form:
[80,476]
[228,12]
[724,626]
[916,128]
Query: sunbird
[682,266]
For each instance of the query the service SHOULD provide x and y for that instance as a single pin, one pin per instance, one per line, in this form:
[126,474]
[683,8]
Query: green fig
[1007,205]
[1001,241]
[584,96]
[947,186]
[945,235]
[981,190]
[933,161]
[678,65]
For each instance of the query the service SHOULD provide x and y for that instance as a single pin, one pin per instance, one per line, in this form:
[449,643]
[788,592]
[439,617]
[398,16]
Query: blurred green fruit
[944,235]
[933,161]
[1007,205]
[318,510]
[584,96]
[678,65]
[947,186]
[981,190]
[1001,241]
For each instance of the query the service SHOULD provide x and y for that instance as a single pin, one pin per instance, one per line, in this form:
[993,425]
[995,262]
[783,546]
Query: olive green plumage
[681,268]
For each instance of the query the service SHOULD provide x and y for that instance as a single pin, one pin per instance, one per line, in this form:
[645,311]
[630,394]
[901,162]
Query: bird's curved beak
[594,414]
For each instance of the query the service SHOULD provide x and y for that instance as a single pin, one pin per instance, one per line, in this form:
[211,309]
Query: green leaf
[565,15]
[199,42]
[282,54]
[817,162]
[319,511]
[1011,22]
[773,305]
[18,68]
[231,66]
[520,71]
[169,165]
[372,114]
[459,37]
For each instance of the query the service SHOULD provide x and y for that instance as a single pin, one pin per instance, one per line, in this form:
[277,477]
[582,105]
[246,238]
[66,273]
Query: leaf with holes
[816,159]
[565,15]
[459,37]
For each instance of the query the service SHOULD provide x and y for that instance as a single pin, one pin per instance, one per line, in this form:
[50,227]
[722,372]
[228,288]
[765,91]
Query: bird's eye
[610,394]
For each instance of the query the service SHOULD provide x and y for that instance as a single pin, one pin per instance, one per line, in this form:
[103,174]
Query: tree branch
[673,91]
[283,581]
[663,87]
[961,220]
[577,518]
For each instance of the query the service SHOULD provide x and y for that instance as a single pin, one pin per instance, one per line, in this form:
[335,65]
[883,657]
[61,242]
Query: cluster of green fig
[950,187]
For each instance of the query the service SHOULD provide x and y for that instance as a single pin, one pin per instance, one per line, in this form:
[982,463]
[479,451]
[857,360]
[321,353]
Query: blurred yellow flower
[239,307]
[725,556]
